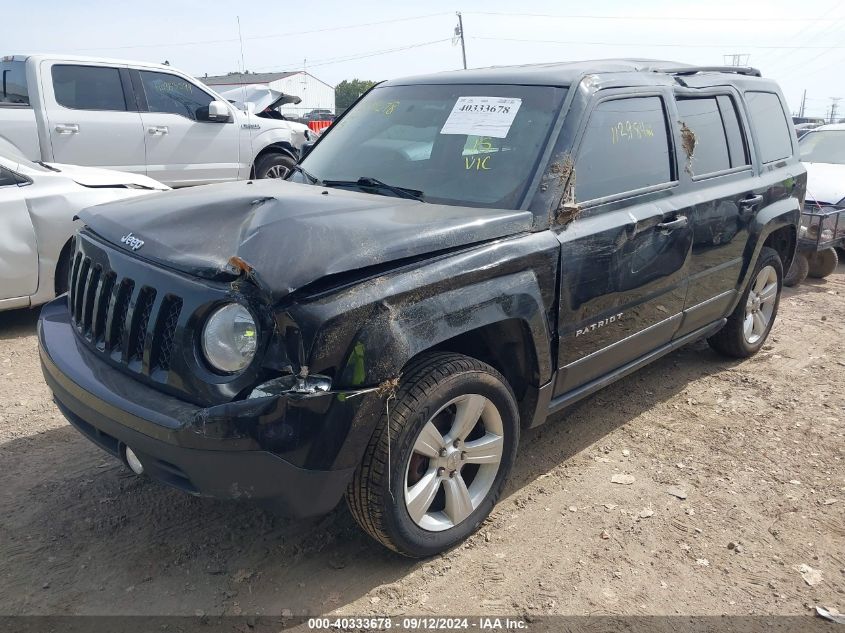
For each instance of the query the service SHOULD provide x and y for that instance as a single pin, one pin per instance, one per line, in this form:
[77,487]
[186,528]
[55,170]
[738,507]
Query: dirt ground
[756,447]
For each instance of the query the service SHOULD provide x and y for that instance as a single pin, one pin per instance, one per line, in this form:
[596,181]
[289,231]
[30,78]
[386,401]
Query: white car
[823,153]
[38,206]
[138,117]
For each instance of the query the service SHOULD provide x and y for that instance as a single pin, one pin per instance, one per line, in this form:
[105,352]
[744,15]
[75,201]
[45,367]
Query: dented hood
[291,234]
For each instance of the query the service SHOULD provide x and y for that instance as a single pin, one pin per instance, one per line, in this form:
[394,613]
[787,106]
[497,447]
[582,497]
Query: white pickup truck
[138,117]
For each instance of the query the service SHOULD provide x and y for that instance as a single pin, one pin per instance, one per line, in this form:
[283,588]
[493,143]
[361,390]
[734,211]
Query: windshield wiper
[46,166]
[314,180]
[366,182]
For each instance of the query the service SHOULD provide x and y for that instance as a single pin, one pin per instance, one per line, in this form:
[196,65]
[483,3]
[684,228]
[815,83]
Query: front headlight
[229,338]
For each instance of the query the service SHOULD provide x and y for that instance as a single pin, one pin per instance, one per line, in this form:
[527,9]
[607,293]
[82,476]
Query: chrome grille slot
[103,301]
[121,307]
[88,300]
[168,317]
[141,316]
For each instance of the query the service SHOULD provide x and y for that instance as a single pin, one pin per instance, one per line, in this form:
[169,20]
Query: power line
[326,61]
[646,44]
[264,37]
[641,17]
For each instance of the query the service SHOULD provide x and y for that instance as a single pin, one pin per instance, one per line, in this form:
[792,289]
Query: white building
[315,94]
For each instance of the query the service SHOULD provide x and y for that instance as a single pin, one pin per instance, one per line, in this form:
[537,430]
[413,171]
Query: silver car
[38,206]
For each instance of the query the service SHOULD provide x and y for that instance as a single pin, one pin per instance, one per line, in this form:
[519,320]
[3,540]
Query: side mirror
[306,147]
[219,112]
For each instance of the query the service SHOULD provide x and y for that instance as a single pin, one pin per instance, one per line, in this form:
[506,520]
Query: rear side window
[175,95]
[702,116]
[13,84]
[625,147]
[88,87]
[770,125]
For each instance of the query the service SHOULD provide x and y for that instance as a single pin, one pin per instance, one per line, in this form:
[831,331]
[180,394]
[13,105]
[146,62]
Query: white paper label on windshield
[482,116]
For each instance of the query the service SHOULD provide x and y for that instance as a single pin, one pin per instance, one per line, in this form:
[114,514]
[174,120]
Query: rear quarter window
[625,147]
[770,126]
[13,90]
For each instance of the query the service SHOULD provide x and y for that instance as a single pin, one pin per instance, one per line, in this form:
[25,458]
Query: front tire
[274,165]
[433,472]
[749,324]
[823,263]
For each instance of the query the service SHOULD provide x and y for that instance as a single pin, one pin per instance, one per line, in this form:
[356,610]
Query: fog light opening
[132,461]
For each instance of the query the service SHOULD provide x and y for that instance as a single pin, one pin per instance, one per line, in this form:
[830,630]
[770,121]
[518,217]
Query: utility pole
[459,33]
[834,104]
[803,102]
[737,59]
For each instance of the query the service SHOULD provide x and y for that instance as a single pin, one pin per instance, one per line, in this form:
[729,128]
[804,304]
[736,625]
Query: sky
[801,45]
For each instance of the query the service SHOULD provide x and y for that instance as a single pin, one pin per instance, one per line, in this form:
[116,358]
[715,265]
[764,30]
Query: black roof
[561,73]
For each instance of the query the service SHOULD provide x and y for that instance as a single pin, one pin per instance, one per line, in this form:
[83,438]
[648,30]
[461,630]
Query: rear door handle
[157,129]
[750,203]
[67,128]
[678,223]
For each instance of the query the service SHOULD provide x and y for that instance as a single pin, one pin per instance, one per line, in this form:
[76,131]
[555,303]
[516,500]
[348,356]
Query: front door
[91,117]
[18,251]
[182,148]
[624,258]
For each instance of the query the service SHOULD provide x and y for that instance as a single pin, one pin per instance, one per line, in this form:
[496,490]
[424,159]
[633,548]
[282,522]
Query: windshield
[823,147]
[472,145]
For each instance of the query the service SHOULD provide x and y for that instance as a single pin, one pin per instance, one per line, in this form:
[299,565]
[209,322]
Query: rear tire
[823,263]
[274,165]
[749,324]
[797,271]
[453,434]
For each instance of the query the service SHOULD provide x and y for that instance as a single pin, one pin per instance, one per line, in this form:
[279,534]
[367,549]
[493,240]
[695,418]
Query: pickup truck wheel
[274,166]
[797,271]
[823,263]
[750,323]
[436,466]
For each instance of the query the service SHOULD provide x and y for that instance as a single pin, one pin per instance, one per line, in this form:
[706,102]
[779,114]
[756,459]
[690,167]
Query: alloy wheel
[454,462]
[760,305]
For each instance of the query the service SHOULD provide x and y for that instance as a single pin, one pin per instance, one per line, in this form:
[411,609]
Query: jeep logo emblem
[132,242]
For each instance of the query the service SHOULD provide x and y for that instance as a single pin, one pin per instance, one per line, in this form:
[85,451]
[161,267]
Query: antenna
[243,89]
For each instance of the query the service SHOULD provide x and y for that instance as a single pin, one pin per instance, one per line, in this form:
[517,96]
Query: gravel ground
[737,487]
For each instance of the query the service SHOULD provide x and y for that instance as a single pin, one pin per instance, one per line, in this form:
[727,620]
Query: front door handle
[678,223]
[157,129]
[750,203]
[67,128]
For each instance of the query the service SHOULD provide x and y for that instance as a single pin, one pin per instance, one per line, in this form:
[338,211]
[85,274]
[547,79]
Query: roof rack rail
[691,70]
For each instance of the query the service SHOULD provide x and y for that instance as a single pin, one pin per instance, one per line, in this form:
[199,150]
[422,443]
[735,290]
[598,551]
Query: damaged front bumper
[298,450]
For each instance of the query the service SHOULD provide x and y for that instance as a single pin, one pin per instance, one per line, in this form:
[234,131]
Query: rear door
[183,146]
[91,116]
[18,251]
[721,179]
[624,258]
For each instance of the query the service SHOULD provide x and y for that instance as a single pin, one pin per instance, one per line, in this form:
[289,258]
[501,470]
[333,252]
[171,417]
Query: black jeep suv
[460,256]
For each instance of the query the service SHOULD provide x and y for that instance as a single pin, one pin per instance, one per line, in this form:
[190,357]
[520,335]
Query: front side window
[625,148]
[471,145]
[175,95]
[769,121]
[88,87]
[13,89]
[827,146]
[702,116]
[7,177]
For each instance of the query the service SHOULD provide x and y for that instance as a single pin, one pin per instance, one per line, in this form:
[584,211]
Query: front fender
[370,330]
[285,138]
